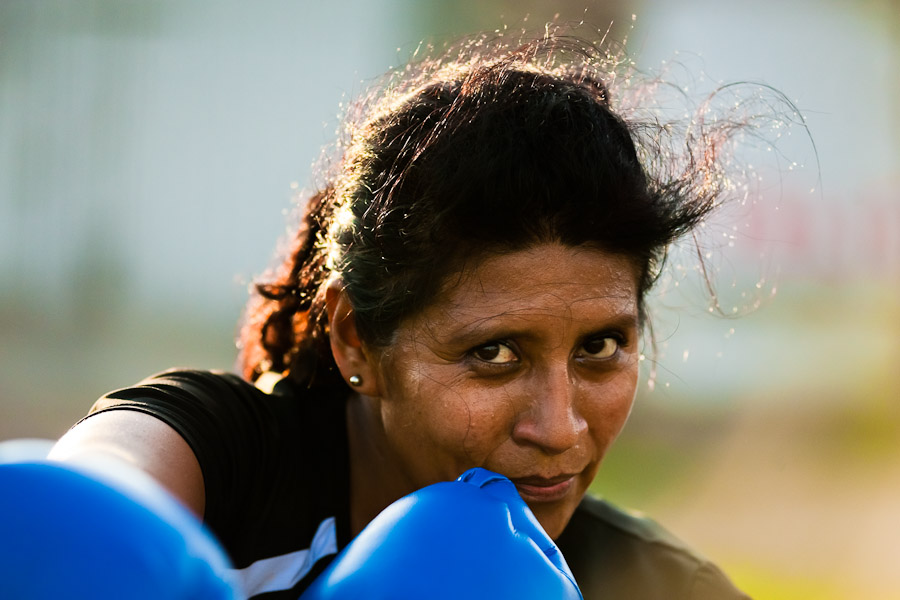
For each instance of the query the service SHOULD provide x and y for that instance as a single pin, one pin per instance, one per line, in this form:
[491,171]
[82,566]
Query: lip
[544,489]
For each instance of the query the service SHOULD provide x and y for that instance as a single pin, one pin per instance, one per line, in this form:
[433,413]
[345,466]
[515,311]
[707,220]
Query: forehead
[547,280]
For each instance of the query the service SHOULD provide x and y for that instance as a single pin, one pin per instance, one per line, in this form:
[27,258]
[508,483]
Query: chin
[553,517]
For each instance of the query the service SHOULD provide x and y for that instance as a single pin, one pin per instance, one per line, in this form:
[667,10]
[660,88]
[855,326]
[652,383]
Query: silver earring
[355,380]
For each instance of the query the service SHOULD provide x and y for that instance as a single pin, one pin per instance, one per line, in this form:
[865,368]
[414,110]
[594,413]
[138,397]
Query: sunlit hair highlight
[491,146]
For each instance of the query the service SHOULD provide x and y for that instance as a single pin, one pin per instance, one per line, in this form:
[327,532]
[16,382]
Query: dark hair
[493,150]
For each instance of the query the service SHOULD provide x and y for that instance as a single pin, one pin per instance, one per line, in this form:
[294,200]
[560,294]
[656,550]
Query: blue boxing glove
[472,538]
[66,532]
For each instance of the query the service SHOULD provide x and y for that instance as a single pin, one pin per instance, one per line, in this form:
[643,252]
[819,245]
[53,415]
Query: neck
[374,482]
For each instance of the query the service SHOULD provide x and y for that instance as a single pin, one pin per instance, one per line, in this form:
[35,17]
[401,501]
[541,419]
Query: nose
[550,419]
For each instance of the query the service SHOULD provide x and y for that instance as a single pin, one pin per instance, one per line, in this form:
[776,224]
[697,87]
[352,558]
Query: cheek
[441,420]
[492,415]
[607,413]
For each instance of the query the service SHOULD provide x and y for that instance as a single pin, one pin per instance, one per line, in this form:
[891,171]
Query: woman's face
[526,365]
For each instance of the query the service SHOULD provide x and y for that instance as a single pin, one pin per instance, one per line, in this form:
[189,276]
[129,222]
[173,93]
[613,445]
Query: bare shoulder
[142,441]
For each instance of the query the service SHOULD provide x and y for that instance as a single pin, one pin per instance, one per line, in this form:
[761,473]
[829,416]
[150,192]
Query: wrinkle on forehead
[546,281]
[609,266]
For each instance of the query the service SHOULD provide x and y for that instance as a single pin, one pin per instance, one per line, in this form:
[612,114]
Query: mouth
[542,489]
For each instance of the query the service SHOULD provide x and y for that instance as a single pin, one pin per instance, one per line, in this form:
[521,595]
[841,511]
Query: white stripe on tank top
[284,571]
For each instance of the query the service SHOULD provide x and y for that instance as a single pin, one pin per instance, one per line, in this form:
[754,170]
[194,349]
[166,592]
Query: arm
[89,524]
[142,441]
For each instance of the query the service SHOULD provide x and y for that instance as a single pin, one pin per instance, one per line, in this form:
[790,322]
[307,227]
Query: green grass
[765,584]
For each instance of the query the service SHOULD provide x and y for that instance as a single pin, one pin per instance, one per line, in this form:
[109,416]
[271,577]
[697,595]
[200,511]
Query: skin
[526,365]
[140,441]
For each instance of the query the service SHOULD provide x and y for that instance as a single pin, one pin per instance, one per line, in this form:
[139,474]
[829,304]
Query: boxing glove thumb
[473,538]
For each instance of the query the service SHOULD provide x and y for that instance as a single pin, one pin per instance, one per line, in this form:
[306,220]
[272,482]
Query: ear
[349,351]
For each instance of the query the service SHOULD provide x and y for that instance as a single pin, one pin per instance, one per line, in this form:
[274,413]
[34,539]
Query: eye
[495,353]
[601,347]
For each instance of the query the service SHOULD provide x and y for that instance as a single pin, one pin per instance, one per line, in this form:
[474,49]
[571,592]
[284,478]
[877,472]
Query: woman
[465,290]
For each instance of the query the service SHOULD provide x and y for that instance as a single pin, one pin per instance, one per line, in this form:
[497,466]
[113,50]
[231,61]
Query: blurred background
[149,152]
